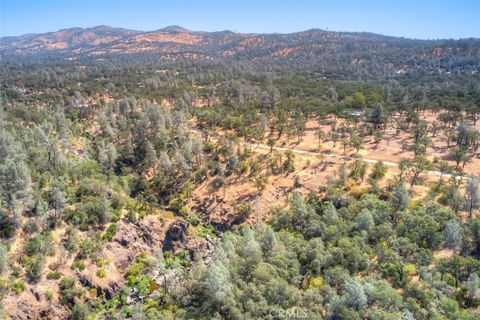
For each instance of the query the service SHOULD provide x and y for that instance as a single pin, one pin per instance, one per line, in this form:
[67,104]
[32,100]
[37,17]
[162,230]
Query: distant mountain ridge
[340,50]
[174,39]
[71,38]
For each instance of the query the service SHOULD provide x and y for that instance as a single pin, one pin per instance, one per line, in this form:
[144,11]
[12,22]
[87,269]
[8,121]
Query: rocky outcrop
[107,286]
[140,236]
[176,236]
[128,236]
[32,305]
[131,239]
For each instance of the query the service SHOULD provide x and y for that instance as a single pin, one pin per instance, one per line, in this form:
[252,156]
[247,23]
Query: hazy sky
[425,19]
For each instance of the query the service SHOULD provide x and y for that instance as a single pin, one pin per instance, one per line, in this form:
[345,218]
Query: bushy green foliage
[34,268]
[137,274]
[110,232]
[78,265]
[101,273]
[349,271]
[70,159]
[54,275]
[68,292]
[89,246]
[3,258]
[18,286]
[79,312]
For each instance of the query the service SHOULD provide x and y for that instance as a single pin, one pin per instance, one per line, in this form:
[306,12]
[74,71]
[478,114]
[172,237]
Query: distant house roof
[356,113]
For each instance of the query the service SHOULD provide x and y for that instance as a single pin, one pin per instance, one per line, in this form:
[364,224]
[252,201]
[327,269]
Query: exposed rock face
[128,235]
[32,306]
[121,256]
[109,285]
[140,236]
[146,235]
[176,236]
[229,221]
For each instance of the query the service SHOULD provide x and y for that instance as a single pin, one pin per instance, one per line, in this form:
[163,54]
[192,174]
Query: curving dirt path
[334,155]
[373,161]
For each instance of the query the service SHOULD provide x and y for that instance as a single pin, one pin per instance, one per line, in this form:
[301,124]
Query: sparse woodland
[116,180]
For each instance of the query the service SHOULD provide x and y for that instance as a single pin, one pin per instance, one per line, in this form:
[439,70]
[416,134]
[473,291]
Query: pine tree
[342,175]
[164,161]
[330,215]
[269,241]
[217,283]
[365,220]
[355,295]
[56,199]
[9,150]
[150,155]
[14,181]
[378,171]
[408,315]
[400,197]
[472,194]
[453,235]
[473,286]
[3,258]
[112,157]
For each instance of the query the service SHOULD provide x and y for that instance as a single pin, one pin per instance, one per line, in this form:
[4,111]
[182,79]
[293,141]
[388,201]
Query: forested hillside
[189,175]
[355,56]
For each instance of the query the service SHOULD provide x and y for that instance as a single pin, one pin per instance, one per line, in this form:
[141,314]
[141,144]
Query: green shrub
[30,227]
[18,286]
[68,293]
[204,231]
[91,210]
[79,312]
[116,215]
[110,232]
[243,168]
[3,287]
[90,245]
[33,246]
[78,265]
[101,273]
[3,258]
[117,201]
[71,242]
[132,216]
[66,283]
[7,225]
[218,182]
[193,219]
[243,209]
[88,168]
[141,282]
[16,271]
[54,275]
[184,211]
[142,265]
[33,268]
[100,262]
[91,188]
[410,269]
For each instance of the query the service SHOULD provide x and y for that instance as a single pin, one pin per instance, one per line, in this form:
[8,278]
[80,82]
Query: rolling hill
[174,40]
[339,54]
